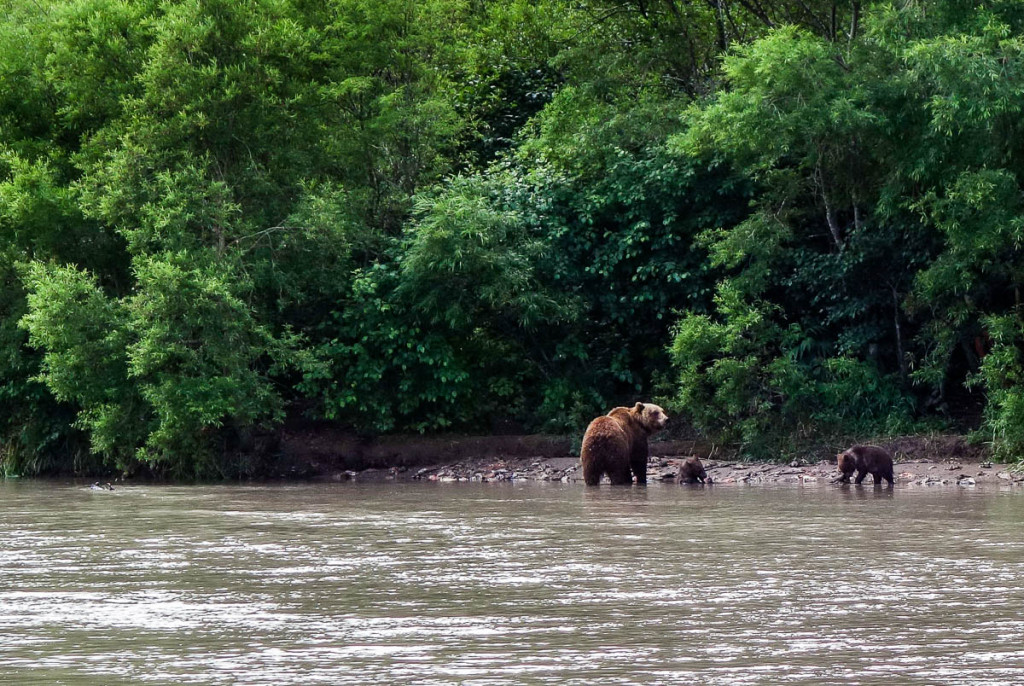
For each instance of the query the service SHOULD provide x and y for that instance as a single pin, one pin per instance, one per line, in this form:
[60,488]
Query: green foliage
[728,380]
[161,375]
[84,335]
[864,194]
[1002,374]
[34,434]
[538,297]
[746,379]
[626,242]
[199,357]
[795,219]
[444,335]
[219,169]
[38,218]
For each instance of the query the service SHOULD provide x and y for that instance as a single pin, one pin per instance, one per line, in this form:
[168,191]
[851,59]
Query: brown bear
[865,459]
[691,471]
[616,444]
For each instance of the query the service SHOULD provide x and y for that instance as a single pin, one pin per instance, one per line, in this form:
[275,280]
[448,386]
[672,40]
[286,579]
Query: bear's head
[691,470]
[651,417]
[847,462]
[696,468]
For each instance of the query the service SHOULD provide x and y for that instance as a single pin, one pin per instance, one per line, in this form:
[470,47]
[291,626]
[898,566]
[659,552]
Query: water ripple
[508,584]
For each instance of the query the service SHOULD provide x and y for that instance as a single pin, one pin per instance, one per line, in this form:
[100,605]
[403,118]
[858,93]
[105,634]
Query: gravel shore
[326,454]
[722,472]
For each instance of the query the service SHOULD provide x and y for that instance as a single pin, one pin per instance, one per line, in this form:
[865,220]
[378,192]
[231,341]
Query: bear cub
[865,459]
[691,471]
[616,444]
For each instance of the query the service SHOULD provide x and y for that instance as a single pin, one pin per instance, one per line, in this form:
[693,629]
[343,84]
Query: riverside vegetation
[787,221]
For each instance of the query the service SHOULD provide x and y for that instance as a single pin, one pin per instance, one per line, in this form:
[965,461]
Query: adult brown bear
[691,471]
[616,444]
[865,459]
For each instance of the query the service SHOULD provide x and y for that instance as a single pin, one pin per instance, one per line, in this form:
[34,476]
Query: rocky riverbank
[330,455]
[566,470]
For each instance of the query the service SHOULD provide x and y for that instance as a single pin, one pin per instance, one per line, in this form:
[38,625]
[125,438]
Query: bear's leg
[638,458]
[591,473]
[620,475]
[888,477]
[860,476]
[639,468]
[877,476]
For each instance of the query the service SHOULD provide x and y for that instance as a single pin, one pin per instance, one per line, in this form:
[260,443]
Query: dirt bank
[331,455]
[566,470]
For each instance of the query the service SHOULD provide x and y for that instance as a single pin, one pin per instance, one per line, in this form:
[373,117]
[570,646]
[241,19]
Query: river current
[417,583]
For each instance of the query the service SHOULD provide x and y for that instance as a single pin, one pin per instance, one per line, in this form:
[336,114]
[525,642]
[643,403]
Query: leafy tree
[432,215]
[871,171]
[84,335]
[446,334]
[226,166]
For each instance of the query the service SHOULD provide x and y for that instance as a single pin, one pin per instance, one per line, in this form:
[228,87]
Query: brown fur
[865,459]
[616,444]
[691,471]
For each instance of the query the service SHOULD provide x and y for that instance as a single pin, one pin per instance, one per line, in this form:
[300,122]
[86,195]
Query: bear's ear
[639,407]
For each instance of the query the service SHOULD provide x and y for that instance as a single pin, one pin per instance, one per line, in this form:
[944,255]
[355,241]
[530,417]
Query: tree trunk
[899,334]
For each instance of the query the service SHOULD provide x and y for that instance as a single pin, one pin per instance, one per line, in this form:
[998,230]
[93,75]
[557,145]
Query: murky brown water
[498,583]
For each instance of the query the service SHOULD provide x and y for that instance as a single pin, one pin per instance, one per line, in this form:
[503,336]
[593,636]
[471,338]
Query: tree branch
[899,333]
[758,12]
[830,217]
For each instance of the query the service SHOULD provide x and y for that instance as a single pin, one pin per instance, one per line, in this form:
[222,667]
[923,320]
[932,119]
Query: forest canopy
[785,220]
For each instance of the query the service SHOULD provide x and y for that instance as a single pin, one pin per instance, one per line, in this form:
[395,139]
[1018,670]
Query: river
[416,583]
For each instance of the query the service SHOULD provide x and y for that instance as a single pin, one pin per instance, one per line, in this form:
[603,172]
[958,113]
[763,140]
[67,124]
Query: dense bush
[789,220]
